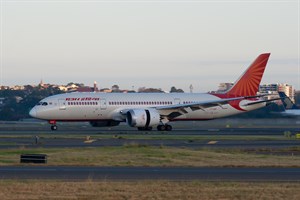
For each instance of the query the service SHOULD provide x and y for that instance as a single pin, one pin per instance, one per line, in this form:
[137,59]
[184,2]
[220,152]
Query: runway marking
[89,141]
[212,142]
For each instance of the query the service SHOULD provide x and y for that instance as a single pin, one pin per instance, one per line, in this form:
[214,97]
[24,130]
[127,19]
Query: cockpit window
[42,103]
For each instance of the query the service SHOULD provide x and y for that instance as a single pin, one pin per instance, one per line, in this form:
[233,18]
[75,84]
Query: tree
[16,110]
[149,90]
[173,89]
[115,88]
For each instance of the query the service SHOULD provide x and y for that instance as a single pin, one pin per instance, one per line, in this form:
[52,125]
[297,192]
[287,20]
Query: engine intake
[142,118]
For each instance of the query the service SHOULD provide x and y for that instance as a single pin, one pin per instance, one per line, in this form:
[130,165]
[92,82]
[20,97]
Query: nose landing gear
[53,125]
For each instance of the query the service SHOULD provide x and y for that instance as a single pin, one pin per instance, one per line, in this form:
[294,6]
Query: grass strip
[134,154]
[188,190]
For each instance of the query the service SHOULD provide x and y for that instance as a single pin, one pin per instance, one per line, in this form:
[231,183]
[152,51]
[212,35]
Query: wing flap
[262,101]
[173,111]
[200,104]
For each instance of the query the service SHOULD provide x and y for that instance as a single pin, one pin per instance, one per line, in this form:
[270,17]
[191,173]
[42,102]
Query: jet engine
[142,118]
[104,123]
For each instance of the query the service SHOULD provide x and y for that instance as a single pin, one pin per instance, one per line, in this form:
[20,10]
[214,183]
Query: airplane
[290,108]
[146,110]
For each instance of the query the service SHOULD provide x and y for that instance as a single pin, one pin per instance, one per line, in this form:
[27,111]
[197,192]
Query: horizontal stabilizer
[286,101]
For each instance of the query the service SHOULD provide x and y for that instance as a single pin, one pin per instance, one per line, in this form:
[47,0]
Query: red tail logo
[248,83]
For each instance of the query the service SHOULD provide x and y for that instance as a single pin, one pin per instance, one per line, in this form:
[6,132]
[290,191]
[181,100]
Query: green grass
[7,143]
[133,154]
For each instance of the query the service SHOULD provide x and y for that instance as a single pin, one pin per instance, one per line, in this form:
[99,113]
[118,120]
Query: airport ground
[220,159]
[136,190]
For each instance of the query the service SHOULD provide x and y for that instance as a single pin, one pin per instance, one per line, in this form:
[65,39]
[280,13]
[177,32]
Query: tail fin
[286,101]
[248,83]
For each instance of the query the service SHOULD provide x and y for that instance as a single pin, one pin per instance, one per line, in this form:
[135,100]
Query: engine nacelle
[104,123]
[142,117]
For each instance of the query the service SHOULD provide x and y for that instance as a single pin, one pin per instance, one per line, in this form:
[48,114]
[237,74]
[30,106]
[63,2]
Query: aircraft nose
[32,112]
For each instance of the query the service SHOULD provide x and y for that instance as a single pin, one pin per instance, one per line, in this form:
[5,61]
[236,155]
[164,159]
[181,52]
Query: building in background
[288,90]
[95,89]
[270,89]
[224,87]
[278,87]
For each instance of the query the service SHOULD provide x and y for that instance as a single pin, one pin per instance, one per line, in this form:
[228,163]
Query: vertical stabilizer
[248,83]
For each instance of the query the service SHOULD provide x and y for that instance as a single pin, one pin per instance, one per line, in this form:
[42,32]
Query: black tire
[168,127]
[145,128]
[161,127]
[53,127]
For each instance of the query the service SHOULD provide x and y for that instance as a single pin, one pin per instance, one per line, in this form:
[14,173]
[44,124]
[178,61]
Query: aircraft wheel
[145,128]
[168,127]
[53,127]
[161,127]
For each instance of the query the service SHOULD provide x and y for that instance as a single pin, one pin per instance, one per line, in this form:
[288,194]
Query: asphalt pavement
[149,173]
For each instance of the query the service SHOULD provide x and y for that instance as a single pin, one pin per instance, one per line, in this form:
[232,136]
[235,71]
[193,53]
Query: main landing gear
[165,127]
[145,128]
[53,125]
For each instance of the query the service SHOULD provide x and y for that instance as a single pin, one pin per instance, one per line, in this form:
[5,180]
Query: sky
[147,43]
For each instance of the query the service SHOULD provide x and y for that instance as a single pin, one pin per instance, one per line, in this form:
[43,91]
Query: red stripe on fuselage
[235,104]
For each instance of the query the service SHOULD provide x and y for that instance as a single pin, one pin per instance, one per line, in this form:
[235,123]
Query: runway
[215,127]
[72,135]
[203,132]
[149,173]
[29,142]
[186,135]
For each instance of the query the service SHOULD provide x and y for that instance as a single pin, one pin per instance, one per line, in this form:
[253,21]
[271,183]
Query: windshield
[42,103]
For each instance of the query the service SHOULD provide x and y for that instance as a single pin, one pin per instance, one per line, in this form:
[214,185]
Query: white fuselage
[145,110]
[110,106]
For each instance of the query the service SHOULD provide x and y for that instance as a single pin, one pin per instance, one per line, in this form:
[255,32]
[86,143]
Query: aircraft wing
[207,104]
[200,104]
[172,111]
[262,101]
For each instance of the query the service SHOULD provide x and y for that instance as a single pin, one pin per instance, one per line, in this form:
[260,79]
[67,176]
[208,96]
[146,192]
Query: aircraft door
[62,104]
[103,105]
[176,101]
